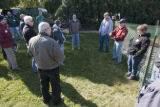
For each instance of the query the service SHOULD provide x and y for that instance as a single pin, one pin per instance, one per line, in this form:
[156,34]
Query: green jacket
[12,21]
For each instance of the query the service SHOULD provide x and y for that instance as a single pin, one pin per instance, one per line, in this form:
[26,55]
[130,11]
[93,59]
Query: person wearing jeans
[133,62]
[137,50]
[75,36]
[117,51]
[105,28]
[119,35]
[59,36]
[74,28]
[106,39]
[155,73]
[13,23]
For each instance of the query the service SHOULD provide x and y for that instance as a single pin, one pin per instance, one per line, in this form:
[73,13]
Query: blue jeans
[133,62]
[117,50]
[102,39]
[155,73]
[34,67]
[13,30]
[62,49]
[74,36]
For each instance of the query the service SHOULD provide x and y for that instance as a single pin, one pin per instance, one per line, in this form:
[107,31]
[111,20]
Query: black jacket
[139,45]
[57,35]
[28,33]
[21,25]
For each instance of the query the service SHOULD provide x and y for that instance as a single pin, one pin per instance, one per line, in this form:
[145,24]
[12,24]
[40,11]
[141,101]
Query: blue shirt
[106,27]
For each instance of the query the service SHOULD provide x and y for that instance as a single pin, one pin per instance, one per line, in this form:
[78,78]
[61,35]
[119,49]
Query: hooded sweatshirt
[140,45]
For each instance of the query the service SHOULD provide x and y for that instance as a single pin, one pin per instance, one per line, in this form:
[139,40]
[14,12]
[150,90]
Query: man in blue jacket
[104,30]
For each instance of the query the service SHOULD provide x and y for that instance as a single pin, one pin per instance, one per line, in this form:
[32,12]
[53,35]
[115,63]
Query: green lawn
[89,79]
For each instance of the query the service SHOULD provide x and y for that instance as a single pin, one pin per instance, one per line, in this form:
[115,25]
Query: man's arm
[57,53]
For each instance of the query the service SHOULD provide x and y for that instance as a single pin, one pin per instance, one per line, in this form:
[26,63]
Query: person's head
[22,16]
[122,22]
[142,29]
[28,20]
[74,16]
[106,15]
[44,27]
[9,14]
[58,23]
[3,20]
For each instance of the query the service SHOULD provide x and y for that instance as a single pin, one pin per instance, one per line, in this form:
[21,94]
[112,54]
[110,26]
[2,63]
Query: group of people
[149,95]
[47,50]
[137,49]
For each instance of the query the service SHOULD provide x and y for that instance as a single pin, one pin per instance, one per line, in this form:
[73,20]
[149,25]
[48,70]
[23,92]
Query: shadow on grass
[29,78]
[69,91]
[96,66]
[4,73]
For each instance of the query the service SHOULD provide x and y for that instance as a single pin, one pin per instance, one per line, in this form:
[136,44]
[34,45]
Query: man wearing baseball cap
[119,35]
[59,36]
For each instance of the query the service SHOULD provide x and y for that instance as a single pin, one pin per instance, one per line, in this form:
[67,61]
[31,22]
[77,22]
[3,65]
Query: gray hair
[27,19]
[42,27]
[106,13]
[22,16]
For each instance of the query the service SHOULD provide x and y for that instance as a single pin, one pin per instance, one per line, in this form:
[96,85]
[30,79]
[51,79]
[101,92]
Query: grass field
[88,79]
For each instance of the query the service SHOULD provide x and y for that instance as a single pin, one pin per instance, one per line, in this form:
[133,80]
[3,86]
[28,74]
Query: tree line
[91,11]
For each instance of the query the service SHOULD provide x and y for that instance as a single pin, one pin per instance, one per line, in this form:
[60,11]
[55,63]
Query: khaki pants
[11,58]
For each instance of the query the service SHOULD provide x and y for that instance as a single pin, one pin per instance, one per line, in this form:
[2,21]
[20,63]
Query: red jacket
[6,40]
[119,33]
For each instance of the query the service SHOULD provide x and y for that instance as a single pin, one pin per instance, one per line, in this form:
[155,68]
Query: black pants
[53,77]
[4,54]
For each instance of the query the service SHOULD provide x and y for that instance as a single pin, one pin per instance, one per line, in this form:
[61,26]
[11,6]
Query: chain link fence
[146,66]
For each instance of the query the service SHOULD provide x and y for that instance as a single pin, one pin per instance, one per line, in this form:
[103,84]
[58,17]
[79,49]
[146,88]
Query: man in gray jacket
[47,54]
[74,28]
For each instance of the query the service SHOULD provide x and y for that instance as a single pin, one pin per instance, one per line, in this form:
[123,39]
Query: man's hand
[110,34]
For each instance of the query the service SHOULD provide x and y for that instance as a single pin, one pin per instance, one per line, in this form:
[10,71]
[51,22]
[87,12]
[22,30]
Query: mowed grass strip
[88,79]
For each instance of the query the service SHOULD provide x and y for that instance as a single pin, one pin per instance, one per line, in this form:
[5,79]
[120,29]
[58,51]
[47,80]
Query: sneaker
[128,74]
[131,77]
